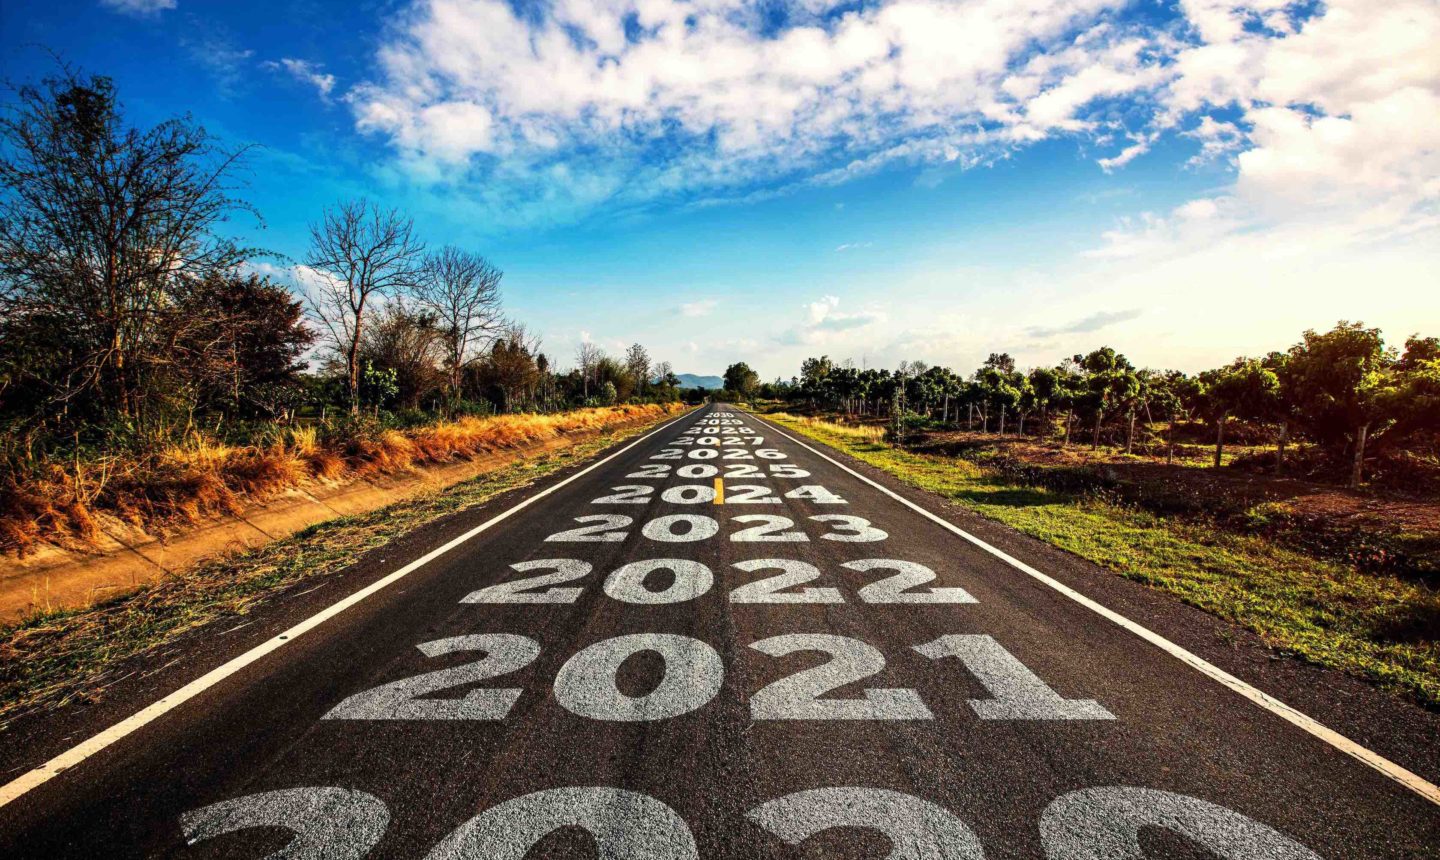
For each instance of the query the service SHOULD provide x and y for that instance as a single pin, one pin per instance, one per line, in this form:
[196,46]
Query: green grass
[1380,628]
[61,657]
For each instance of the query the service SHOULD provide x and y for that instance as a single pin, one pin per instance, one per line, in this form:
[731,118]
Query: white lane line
[1410,780]
[77,754]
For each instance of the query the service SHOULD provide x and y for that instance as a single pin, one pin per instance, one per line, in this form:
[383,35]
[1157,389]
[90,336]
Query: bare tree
[358,251]
[462,290]
[588,356]
[637,364]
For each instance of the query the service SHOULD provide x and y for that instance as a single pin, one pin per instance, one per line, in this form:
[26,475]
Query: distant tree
[1171,393]
[103,227]
[998,395]
[813,373]
[664,378]
[462,290]
[610,371]
[588,357]
[1334,378]
[1110,383]
[405,340]
[740,379]
[1045,388]
[1246,388]
[637,363]
[358,253]
[513,369]
[241,345]
[1000,361]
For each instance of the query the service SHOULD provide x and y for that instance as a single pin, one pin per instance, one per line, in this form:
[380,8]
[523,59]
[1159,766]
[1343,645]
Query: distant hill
[690,380]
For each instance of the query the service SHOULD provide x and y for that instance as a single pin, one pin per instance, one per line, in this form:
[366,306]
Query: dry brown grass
[856,432]
[200,477]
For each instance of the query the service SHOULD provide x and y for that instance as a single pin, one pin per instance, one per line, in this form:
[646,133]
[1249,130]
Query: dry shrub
[324,463]
[265,471]
[49,506]
[304,440]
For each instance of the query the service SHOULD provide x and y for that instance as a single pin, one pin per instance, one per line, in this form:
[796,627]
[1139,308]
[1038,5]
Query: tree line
[129,316]
[1343,390]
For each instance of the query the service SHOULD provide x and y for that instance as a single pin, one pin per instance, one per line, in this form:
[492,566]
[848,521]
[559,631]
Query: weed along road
[714,643]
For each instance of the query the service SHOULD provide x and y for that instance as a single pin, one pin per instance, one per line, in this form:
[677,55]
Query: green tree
[1110,383]
[740,379]
[1337,378]
[1246,389]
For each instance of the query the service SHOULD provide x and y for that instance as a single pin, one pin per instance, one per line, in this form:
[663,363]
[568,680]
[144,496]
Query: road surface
[716,643]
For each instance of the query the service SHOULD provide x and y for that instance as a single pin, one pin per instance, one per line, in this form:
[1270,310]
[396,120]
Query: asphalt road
[714,644]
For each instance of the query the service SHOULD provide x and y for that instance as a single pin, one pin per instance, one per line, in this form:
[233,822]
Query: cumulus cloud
[1326,115]
[305,72]
[661,97]
[1317,109]
[138,8]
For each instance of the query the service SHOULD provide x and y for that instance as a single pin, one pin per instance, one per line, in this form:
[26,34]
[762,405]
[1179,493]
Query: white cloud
[211,48]
[583,103]
[698,308]
[1085,325]
[824,322]
[1218,139]
[850,246]
[699,97]
[1329,117]
[305,72]
[138,8]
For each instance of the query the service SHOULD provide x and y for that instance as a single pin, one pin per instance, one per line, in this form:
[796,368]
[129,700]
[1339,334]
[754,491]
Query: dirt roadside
[125,557]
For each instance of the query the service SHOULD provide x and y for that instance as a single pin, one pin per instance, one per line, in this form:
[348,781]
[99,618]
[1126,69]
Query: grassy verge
[62,657]
[1372,626]
[199,476]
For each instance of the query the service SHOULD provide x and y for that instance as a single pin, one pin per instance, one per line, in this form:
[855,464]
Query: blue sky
[1185,181]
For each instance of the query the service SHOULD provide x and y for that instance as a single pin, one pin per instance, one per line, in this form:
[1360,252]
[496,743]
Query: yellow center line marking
[719,491]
